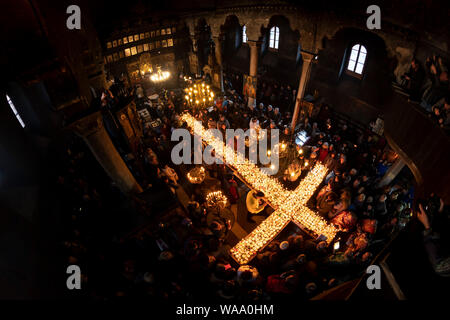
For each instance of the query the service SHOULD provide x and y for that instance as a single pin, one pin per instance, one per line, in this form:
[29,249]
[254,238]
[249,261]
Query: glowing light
[200,92]
[289,205]
[216,199]
[160,76]
[196,175]
[336,246]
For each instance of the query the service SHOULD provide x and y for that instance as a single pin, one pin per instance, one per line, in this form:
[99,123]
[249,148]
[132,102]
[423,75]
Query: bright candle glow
[336,246]
[289,205]
[160,75]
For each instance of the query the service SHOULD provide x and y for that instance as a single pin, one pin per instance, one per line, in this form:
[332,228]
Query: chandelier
[216,199]
[196,175]
[160,75]
[198,95]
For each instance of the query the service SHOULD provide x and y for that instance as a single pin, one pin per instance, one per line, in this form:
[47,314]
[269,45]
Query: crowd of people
[429,86]
[183,254]
[267,92]
[367,215]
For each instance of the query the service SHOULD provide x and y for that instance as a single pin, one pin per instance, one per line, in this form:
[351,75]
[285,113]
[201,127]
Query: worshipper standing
[414,79]
[254,123]
[437,255]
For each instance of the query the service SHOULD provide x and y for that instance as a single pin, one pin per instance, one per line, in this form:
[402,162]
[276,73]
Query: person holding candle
[255,202]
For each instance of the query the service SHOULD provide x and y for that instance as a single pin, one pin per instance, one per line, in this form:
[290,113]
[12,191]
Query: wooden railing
[421,143]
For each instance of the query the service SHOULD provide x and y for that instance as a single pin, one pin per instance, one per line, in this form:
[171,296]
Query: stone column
[91,129]
[304,78]
[392,172]
[255,47]
[219,59]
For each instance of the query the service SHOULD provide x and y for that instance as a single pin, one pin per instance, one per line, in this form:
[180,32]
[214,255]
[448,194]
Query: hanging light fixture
[200,94]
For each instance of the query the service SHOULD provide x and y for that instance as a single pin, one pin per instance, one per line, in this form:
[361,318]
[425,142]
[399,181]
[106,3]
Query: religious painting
[133,72]
[134,120]
[249,86]
[193,62]
[144,62]
[130,125]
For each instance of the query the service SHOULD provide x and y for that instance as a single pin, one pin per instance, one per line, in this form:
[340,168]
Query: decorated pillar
[255,47]
[392,172]
[91,129]
[304,78]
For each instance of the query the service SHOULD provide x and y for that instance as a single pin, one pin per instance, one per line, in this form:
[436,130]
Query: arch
[232,31]
[340,51]
[288,38]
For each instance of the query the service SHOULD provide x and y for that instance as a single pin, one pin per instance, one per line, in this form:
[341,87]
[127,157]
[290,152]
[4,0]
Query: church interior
[253,151]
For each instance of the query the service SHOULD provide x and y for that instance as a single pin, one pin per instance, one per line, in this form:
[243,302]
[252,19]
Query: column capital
[254,43]
[88,125]
[217,38]
[307,56]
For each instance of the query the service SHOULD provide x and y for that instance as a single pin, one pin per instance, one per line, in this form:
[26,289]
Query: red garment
[234,193]
[369,225]
[276,284]
[323,154]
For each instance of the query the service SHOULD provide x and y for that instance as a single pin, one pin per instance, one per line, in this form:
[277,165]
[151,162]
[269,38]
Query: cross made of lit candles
[198,95]
[288,205]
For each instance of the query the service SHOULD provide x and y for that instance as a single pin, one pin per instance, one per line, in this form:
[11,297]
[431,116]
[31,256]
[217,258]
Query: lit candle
[336,246]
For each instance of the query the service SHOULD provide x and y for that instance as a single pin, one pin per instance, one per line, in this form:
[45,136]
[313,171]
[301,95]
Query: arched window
[357,59]
[14,110]
[274,37]
[244,34]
